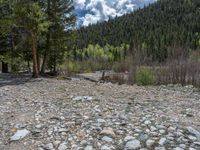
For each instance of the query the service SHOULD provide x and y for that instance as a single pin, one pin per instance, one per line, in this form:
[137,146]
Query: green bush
[144,76]
[70,67]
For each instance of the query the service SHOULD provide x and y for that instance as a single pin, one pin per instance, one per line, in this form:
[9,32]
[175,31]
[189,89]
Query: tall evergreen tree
[28,16]
[60,14]
[5,26]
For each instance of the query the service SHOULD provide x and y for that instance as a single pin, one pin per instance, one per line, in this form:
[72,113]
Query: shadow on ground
[14,79]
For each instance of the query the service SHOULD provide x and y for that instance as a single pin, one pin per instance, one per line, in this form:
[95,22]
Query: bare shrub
[118,78]
[121,66]
[179,68]
[137,57]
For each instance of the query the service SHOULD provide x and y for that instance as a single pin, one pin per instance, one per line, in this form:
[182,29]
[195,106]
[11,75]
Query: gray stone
[197,143]
[143,137]
[83,98]
[193,138]
[171,129]
[56,143]
[62,146]
[89,147]
[138,130]
[132,145]
[147,122]
[191,148]
[48,146]
[147,131]
[194,132]
[161,127]
[162,141]
[83,143]
[152,128]
[170,138]
[104,147]
[162,131]
[178,148]
[159,148]
[128,138]
[108,131]
[189,112]
[150,143]
[107,139]
[39,126]
[182,146]
[101,121]
[62,130]
[20,125]
[20,134]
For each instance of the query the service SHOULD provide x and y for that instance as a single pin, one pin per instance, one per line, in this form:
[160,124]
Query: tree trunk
[45,58]
[4,67]
[34,56]
[28,65]
[54,67]
[38,62]
[44,63]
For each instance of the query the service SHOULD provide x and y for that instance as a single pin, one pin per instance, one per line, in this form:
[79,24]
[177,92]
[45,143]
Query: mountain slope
[156,27]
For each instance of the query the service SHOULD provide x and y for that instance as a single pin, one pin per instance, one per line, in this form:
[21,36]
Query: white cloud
[92,11]
[89,19]
[79,3]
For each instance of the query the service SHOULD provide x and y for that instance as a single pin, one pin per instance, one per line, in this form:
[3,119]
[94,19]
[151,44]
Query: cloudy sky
[92,11]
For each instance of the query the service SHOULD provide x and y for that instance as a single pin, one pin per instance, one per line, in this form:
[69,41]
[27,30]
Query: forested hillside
[164,24]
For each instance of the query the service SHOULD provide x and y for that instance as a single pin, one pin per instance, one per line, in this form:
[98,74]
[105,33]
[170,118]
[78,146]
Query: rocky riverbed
[51,114]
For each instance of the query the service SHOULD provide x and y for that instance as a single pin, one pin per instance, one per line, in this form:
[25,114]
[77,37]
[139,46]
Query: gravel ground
[51,114]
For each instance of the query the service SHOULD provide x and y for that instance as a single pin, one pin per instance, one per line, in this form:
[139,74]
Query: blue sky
[93,11]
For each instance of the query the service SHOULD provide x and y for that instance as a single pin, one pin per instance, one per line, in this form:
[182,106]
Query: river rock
[150,143]
[194,132]
[132,145]
[108,132]
[20,134]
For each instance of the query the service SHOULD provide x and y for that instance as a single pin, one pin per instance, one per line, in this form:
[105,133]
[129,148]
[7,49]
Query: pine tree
[5,25]
[28,16]
[60,14]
